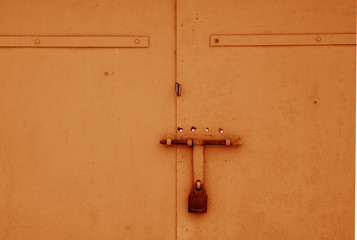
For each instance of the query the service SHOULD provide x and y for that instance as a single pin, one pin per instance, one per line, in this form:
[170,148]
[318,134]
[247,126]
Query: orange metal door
[281,76]
[87,90]
[80,118]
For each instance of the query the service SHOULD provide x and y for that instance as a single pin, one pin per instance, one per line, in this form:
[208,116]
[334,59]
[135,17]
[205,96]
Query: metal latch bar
[198,196]
[198,151]
[233,142]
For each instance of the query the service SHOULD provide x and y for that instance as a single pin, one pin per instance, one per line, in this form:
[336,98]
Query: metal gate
[88,88]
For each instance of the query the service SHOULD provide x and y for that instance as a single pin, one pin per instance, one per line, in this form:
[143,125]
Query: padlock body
[197,201]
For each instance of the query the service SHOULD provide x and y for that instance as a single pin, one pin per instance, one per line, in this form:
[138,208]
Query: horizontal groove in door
[310,39]
[72,41]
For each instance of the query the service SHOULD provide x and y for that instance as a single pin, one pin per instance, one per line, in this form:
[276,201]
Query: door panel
[294,109]
[79,157]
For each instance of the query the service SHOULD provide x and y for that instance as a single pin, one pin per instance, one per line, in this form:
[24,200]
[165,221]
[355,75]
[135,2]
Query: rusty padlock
[197,201]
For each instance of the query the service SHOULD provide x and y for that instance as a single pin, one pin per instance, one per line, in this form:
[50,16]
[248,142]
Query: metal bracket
[297,39]
[72,41]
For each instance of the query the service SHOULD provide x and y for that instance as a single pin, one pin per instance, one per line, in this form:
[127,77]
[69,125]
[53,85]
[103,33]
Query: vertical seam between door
[176,126]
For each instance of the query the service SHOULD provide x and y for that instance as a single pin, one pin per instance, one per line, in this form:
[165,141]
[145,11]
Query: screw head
[318,39]
[137,41]
[37,41]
